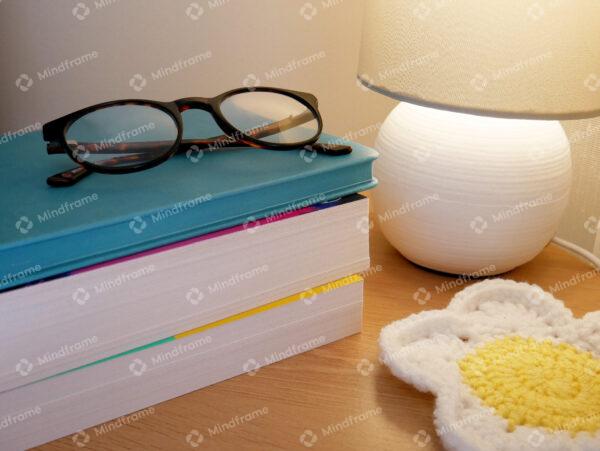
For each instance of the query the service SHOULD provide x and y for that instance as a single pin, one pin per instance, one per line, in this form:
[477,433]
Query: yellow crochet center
[537,383]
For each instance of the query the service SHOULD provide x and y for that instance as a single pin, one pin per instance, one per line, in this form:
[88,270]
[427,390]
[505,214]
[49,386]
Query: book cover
[47,231]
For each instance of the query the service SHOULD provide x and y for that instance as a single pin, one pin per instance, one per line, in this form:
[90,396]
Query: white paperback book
[67,403]
[60,324]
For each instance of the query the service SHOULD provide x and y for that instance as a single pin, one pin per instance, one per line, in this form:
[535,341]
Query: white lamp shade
[515,58]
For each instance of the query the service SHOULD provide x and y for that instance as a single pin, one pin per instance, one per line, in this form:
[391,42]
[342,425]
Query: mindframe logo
[308,11]
[194,154]
[422,438]
[349,421]
[194,438]
[10,278]
[24,224]
[309,296]
[123,421]
[290,208]
[295,349]
[179,350]
[82,295]
[80,439]
[194,296]
[81,10]
[403,67]
[237,420]
[592,225]
[574,280]
[537,12]
[364,225]
[480,81]
[67,350]
[121,137]
[308,154]
[24,82]
[180,207]
[355,135]
[251,81]
[407,207]
[592,82]
[138,82]
[536,438]
[422,296]
[365,367]
[10,420]
[237,278]
[194,11]
[24,367]
[463,422]
[123,278]
[137,225]
[251,367]
[427,7]
[294,64]
[479,224]
[67,207]
[308,438]
[138,367]
[463,279]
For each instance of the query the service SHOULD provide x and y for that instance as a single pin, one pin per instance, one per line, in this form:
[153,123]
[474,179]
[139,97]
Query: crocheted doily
[510,366]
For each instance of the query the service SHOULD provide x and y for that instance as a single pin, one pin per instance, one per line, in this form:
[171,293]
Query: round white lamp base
[469,194]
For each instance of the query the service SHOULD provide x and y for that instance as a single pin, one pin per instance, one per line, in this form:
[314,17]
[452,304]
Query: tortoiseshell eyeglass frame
[54,133]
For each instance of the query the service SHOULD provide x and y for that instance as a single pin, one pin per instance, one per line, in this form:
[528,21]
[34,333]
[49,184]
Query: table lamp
[474,166]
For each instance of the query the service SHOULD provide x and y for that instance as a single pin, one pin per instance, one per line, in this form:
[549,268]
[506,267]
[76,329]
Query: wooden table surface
[325,386]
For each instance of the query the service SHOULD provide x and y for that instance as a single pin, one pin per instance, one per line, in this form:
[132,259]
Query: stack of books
[124,291]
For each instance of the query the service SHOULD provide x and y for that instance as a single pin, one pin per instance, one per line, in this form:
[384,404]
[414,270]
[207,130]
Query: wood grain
[324,387]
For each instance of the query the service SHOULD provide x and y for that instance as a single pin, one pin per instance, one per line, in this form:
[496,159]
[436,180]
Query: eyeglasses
[126,136]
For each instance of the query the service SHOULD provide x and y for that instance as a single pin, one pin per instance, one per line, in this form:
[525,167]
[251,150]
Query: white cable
[578,250]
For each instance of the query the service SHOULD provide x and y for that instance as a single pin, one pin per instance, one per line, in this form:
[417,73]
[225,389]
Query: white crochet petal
[588,333]
[477,428]
[424,350]
[457,412]
[498,307]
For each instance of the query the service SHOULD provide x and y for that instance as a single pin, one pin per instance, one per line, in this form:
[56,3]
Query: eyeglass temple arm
[69,177]
[72,176]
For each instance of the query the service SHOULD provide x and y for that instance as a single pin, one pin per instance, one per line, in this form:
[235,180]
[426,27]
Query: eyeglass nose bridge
[189,103]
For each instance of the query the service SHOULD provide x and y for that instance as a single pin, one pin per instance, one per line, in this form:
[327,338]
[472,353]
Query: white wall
[312,48]
[581,223]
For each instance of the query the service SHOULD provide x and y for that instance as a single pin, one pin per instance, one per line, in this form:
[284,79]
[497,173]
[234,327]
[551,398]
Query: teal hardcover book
[45,231]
